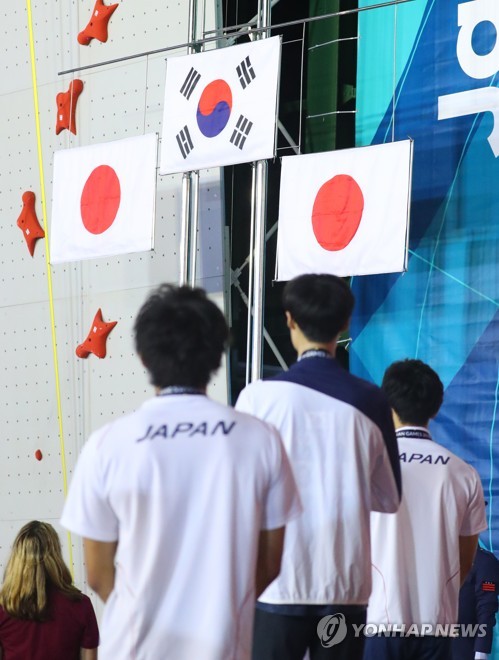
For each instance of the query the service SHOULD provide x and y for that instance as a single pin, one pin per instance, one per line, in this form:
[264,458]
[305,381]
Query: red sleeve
[90,637]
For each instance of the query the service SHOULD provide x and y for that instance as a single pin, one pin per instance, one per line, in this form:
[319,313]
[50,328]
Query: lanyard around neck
[423,434]
[315,352]
[179,389]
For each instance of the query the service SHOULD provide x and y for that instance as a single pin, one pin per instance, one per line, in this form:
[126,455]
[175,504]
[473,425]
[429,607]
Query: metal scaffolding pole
[258,231]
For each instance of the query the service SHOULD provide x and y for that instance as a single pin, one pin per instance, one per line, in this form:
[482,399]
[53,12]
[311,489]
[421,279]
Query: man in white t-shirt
[181,504]
[339,435]
[422,554]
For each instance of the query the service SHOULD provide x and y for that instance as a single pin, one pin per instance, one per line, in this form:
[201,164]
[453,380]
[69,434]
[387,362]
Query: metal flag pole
[194,223]
[258,270]
[258,218]
[184,229]
[194,199]
[190,190]
[251,274]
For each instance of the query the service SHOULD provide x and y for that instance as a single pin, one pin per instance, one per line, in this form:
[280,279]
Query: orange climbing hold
[98,24]
[96,339]
[28,222]
[66,107]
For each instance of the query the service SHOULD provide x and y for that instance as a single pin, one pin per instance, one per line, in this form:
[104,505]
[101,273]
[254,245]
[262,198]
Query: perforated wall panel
[118,100]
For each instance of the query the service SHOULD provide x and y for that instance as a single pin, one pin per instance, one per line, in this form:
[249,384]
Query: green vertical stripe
[321,82]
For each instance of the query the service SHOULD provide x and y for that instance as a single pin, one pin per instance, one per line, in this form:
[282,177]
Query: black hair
[180,336]
[321,305]
[414,391]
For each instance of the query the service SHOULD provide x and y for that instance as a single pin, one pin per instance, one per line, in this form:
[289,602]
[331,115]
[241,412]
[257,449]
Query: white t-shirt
[415,553]
[184,485]
[336,440]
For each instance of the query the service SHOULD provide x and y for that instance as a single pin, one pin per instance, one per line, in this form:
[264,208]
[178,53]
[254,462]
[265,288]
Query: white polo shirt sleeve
[283,502]
[475,520]
[87,511]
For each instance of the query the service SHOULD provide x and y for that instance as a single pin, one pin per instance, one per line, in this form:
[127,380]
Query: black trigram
[190,83]
[184,142]
[241,132]
[245,72]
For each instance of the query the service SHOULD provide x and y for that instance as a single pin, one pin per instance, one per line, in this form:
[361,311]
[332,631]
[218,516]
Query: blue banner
[428,70]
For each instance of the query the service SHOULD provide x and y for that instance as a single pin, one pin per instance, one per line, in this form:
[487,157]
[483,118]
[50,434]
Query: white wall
[118,101]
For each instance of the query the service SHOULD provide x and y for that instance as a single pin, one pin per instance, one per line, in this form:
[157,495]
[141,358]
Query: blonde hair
[35,565]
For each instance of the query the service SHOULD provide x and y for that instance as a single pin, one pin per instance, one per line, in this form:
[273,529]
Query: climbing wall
[51,399]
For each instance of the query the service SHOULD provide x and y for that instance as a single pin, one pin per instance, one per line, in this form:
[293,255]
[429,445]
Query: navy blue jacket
[478,605]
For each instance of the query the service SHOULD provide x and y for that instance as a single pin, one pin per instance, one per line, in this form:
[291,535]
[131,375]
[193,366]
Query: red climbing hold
[96,339]
[38,455]
[66,107]
[97,26]
[28,222]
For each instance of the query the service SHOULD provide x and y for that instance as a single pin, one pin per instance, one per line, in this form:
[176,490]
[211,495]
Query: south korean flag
[220,107]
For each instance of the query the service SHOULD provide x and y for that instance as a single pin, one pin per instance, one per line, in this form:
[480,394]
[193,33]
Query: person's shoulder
[75,607]
[458,463]
[369,399]
[365,388]
[261,386]
[260,394]
[86,605]
[326,377]
[77,599]
[62,601]
[86,600]
[106,429]
[116,430]
[246,419]
[463,473]
[486,560]
[463,477]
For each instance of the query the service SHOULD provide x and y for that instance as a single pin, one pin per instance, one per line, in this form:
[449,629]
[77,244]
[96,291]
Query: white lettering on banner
[470,103]
[469,16]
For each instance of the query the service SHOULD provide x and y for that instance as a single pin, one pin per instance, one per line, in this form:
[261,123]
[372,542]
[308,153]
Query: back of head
[414,391]
[35,564]
[321,305]
[180,335]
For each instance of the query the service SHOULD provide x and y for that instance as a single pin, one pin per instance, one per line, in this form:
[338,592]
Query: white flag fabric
[345,212]
[220,107]
[103,199]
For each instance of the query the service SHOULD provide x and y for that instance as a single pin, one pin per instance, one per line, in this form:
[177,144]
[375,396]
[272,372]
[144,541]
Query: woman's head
[34,565]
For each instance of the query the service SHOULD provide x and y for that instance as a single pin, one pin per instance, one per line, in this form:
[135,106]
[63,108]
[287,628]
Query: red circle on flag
[215,93]
[100,199]
[337,212]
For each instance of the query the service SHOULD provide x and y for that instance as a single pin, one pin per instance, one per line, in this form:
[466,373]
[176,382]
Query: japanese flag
[103,199]
[220,107]
[345,212]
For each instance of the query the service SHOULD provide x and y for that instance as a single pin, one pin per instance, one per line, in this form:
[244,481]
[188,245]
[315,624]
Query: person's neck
[186,389]
[306,345]
[399,424]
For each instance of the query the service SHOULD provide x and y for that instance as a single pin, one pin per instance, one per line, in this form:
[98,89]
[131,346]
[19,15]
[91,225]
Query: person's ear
[290,322]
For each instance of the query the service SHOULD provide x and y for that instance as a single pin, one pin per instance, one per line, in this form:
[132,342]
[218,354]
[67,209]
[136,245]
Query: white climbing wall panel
[119,100]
